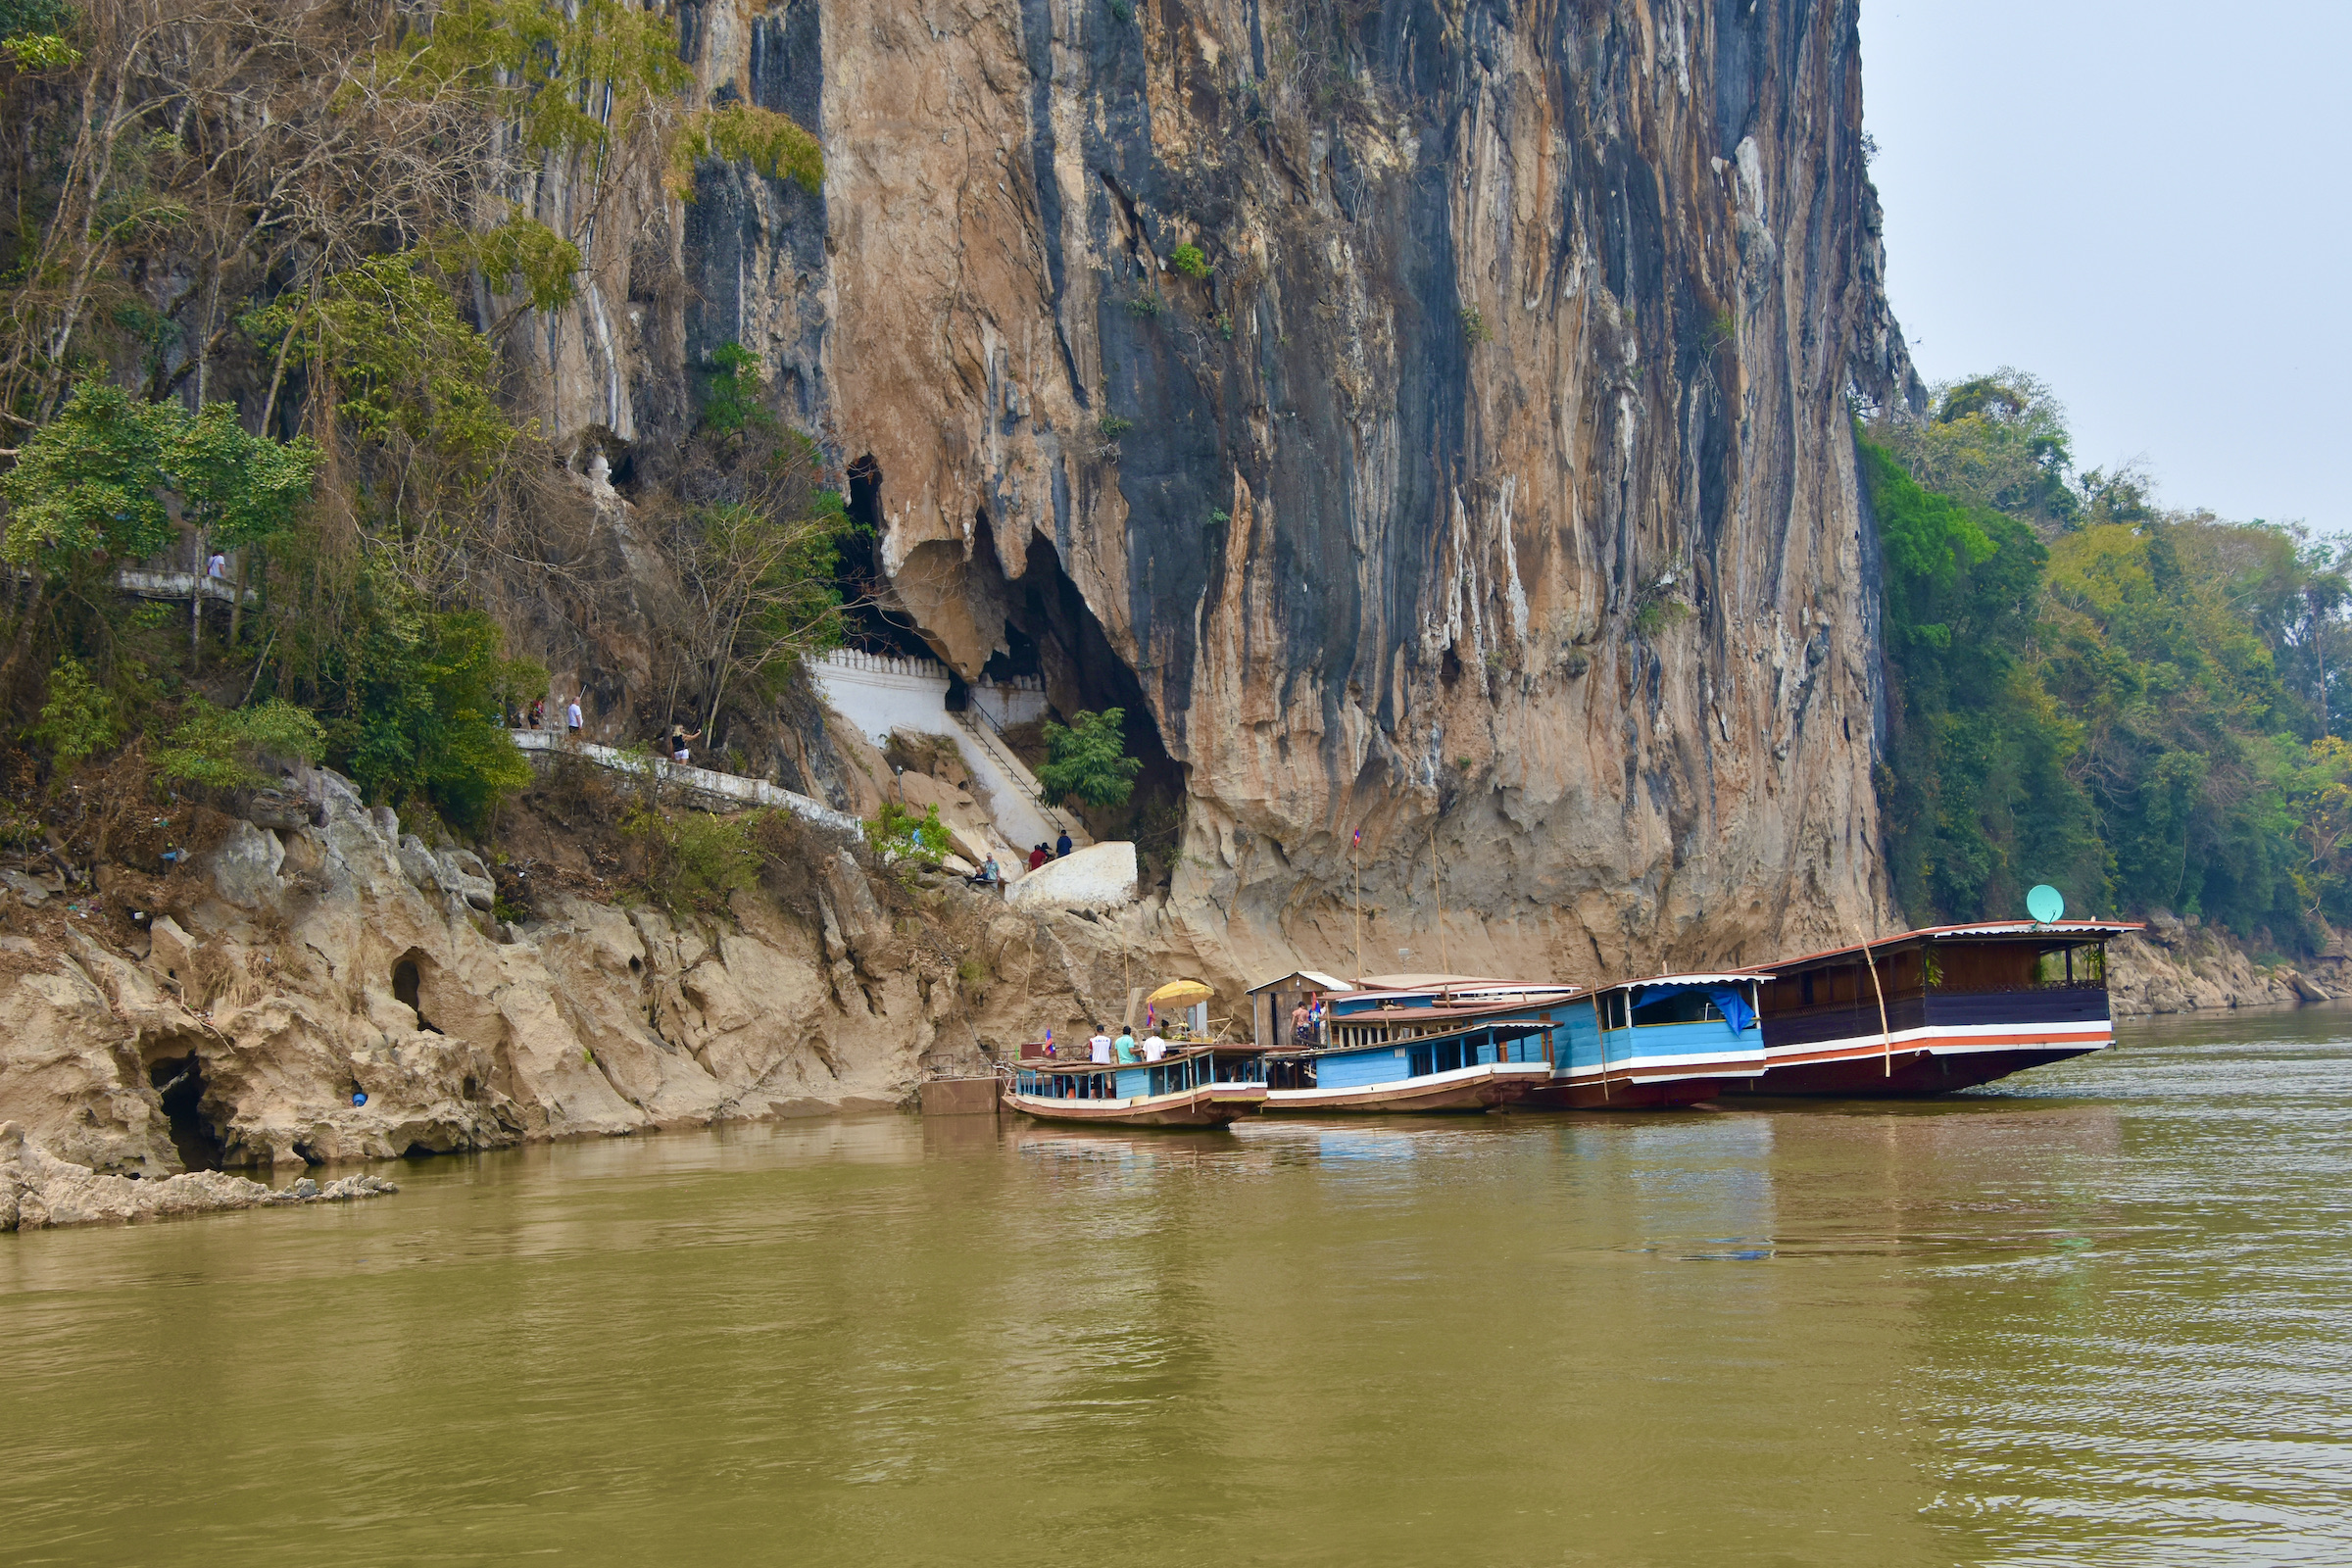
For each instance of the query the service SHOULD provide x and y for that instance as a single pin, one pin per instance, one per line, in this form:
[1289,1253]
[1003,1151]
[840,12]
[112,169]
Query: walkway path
[728,792]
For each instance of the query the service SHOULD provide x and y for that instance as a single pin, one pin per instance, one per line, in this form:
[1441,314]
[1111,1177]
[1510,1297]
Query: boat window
[1417,1062]
[1449,1055]
[1681,1007]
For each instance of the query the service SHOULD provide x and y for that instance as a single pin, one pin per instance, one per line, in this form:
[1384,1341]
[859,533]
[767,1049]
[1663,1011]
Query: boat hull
[1209,1105]
[1588,1094]
[1468,1090]
[1908,1071]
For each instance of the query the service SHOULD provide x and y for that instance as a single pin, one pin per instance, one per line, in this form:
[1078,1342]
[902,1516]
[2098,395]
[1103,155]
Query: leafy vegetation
[1089,758]
[259,268]
[2135,704]
[1190,259]
[738,131]
[899,832]
[219,748]
[694,859]
[103,475]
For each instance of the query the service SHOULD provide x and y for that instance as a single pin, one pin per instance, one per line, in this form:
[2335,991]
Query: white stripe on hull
[1509,1072]
[1952,1040]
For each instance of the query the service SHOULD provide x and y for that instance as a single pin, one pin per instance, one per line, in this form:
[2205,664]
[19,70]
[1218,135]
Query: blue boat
[1443,1043]
[1195,1086]
[1670,1040]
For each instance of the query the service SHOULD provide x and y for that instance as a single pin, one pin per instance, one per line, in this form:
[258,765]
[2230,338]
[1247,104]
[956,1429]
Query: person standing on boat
[1098,1047]
[1126,1046]
[1302,1024]
[1155,1049]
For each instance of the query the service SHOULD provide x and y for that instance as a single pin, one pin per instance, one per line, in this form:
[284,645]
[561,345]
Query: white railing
[856,658]
[179,585]
[732,787]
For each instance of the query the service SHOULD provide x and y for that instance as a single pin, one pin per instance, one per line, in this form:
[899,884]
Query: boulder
[245,866]
[38,1190]
[1100,876]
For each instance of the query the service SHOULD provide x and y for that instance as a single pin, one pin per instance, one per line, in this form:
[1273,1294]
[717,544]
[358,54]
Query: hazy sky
[2147,205]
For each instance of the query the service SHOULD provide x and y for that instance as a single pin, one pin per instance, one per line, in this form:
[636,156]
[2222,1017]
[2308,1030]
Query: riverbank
[39,1192]
[2176,967]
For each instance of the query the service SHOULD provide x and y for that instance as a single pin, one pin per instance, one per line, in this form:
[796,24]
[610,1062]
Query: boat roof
[1982,930]
[1315,978]
[1727,977]
[1412,1004]
[1429,982]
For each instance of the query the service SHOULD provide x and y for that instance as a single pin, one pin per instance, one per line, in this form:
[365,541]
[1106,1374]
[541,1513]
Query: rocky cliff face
[335,990]
[1490,490]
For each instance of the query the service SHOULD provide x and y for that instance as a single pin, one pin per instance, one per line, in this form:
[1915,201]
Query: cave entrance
[178,1081]
[1049,632]
[875,621]
[408,986]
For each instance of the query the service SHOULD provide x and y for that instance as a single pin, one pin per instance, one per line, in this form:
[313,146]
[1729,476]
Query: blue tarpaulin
[1730,1000]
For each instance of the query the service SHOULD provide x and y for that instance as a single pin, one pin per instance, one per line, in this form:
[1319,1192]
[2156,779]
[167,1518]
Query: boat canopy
[1318,982]
[1728,992]
[1984,930]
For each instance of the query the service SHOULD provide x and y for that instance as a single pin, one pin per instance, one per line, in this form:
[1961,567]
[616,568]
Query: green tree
[1995,441]
[101,478]
[1976,791]
[79,717]
[414,697]
[399,357]
[1089,760]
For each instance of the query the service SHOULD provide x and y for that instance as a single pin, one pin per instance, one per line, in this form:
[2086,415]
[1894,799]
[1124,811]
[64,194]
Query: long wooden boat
[1935,1009]
[1654,1043]
[1194,1086]
[1452,1046]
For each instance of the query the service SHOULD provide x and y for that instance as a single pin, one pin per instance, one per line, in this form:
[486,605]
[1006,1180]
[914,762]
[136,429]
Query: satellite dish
[2045,905]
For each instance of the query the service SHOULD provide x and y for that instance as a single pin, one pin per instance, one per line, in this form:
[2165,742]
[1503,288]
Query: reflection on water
[2092,1316]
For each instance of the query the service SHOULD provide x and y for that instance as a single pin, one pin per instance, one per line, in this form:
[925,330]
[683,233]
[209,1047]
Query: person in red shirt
[1039,856]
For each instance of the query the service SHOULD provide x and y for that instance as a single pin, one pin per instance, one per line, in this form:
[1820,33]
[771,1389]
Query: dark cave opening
[1053,633]
[179,1082]
[408,986]
[875,620]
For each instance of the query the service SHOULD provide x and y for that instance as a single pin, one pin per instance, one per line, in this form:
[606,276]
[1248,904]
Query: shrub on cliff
[219,748]
[691,859]
[1089,760]
[414,697]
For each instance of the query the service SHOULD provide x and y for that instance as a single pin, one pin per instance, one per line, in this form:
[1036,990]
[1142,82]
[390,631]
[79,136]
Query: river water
[2099,1314]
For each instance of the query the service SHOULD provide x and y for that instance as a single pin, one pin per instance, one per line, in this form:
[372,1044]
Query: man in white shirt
[571,719]
[1100,1046]
[216,568]
[1155,1049]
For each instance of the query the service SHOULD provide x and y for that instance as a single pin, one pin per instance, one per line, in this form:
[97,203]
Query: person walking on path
[571,720]
[1039,856]
[1062,846]
[678,737]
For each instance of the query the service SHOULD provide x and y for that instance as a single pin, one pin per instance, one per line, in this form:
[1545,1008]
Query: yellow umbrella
[1179,994]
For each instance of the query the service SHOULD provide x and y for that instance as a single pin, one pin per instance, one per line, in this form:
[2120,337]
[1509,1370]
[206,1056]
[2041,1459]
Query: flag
[1359,838]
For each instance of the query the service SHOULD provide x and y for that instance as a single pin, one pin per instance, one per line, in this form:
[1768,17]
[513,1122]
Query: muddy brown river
[2099,1314]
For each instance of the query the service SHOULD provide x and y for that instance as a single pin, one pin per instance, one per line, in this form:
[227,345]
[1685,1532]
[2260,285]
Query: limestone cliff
[1486,484]
[1432,421]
